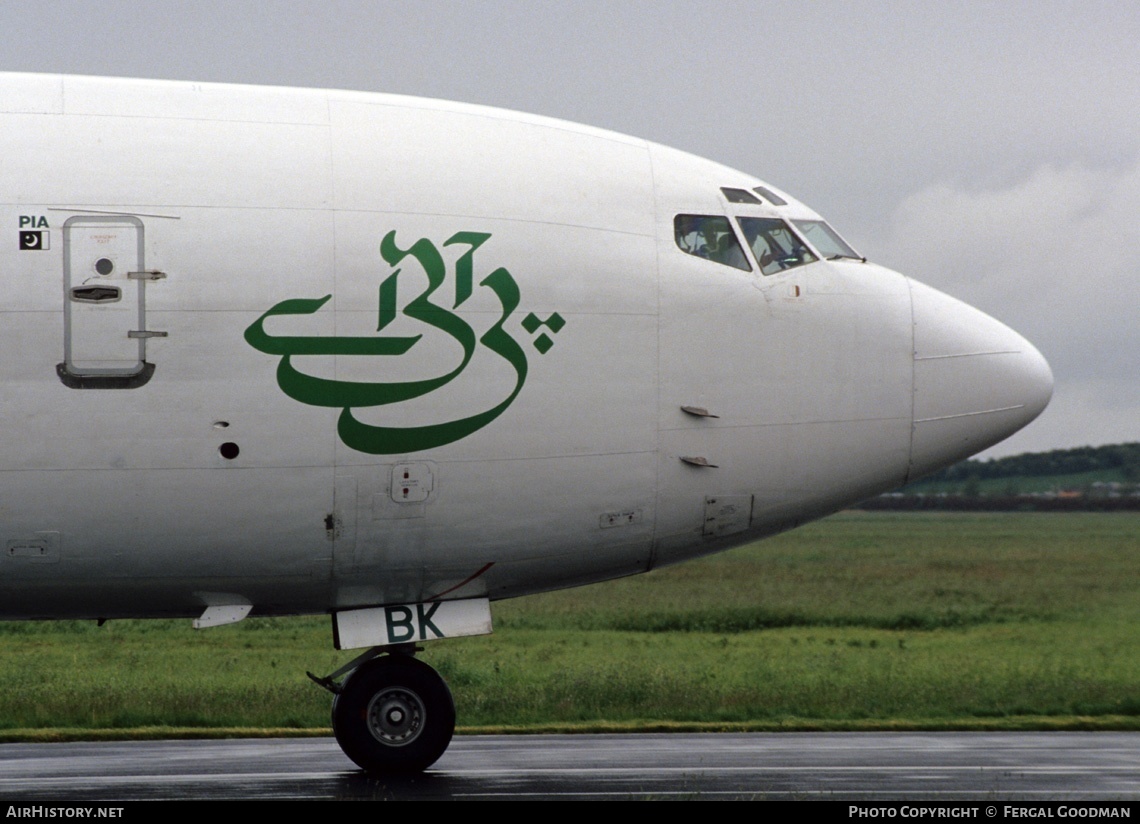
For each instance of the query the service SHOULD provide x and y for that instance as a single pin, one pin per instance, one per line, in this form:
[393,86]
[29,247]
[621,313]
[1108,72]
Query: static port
[229,450]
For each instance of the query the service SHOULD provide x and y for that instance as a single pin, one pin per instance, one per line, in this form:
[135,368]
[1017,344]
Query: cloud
[1055,255]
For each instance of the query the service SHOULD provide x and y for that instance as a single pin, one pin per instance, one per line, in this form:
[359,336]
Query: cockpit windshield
[710,237]
[825,240]
[775,244]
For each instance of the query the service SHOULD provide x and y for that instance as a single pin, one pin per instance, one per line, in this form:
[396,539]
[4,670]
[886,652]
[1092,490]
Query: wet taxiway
[841,766]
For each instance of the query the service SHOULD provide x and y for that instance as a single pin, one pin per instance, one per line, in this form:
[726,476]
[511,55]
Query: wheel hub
[395,716]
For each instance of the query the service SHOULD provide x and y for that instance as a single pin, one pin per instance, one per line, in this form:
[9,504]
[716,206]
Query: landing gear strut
[392,714]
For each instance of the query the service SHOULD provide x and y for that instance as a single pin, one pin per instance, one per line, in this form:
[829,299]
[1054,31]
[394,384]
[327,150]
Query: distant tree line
[959,487]
[1122,456]
[998,503]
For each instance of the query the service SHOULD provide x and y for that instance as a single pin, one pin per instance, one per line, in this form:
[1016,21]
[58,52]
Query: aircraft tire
[394,715]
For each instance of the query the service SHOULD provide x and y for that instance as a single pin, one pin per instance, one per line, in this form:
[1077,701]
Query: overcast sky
[991,150]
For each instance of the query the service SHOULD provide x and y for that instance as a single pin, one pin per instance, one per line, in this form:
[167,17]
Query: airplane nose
[976,381]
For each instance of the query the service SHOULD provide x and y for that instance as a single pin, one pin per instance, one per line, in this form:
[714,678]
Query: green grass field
[863,620]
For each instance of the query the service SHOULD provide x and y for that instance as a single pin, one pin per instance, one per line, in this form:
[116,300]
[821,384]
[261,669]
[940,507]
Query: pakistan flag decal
[350,395]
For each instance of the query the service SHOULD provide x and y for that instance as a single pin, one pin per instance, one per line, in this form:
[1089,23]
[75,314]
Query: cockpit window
[775,244]
[738,195]
[825,240]
[710,237]
[770,196]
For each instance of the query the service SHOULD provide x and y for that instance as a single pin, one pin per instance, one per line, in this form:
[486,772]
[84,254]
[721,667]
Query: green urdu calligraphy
[388,440]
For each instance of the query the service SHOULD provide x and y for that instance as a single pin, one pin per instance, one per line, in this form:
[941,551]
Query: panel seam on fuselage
[653,533]
[822,422]
[967,355]
[971,414]
[913,371]
[390,459]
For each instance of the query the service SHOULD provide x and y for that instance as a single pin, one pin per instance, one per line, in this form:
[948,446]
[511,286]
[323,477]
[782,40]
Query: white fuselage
[194,210]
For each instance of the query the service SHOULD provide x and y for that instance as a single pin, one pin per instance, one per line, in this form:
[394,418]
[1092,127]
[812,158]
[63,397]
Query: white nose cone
[976,381]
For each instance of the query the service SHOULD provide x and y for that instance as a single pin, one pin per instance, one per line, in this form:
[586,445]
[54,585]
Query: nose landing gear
[392,714]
